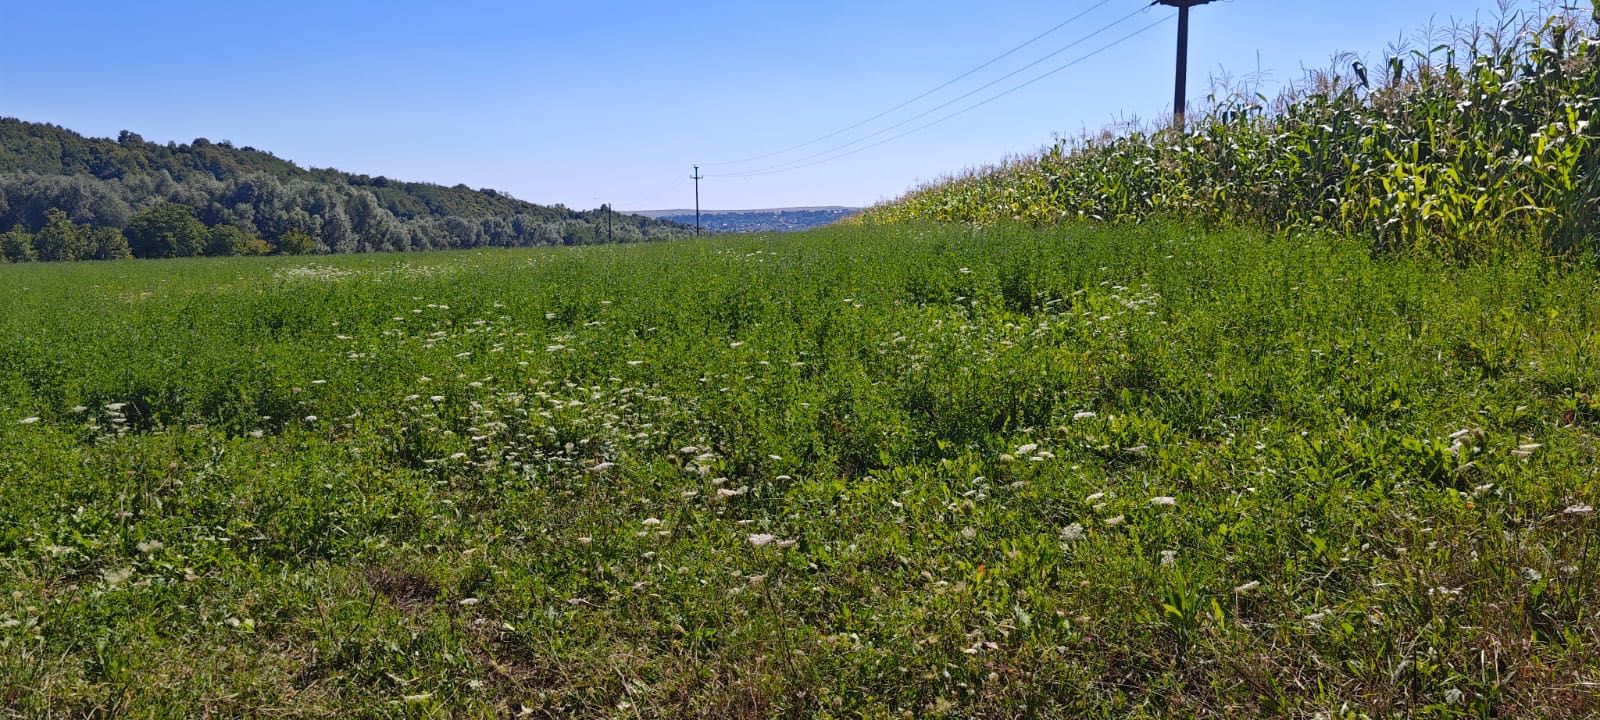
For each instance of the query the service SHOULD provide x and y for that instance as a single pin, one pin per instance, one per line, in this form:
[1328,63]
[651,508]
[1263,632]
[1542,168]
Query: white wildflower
[150,546]
[1073,532]
[1169,557]
[762,539]
[1115,521]
[1247,587]
[1579,509]
[1163,501]
[29,420]
[1085,415]
[651,522]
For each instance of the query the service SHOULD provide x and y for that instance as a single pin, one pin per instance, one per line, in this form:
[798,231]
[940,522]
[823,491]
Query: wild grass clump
[1485,143]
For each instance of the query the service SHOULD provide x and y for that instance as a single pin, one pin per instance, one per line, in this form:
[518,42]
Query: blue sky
[592,101]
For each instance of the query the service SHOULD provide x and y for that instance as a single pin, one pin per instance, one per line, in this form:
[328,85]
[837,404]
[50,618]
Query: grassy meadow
[908,471]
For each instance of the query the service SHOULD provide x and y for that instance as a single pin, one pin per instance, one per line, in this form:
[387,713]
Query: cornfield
[1479,145]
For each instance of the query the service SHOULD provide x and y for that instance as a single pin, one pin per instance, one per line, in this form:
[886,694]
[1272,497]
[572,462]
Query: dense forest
[64,196]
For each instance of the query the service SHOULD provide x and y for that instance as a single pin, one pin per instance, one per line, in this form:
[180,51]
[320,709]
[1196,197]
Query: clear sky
[590,101]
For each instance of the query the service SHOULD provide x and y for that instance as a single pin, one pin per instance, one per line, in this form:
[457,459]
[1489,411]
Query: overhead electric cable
[660,193]
[942,105]
[948,83]
[957,113]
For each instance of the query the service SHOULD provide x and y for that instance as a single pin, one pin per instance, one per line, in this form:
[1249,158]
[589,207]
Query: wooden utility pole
[697,177]
[1180,93]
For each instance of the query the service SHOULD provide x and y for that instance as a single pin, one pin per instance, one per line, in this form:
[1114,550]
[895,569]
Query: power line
[660,193]
[952,101]
[948,83]
[963,111]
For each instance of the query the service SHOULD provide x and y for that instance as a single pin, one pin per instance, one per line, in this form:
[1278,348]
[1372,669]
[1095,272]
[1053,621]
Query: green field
[862,472]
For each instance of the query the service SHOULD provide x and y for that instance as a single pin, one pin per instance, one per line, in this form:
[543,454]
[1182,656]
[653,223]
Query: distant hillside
[773,219]
[105,183]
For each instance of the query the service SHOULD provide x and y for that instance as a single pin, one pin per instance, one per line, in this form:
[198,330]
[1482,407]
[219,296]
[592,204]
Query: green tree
[295,242]
[16,245]
[256,246]
[107,244]
[227,240]
[166,230]
[59,239]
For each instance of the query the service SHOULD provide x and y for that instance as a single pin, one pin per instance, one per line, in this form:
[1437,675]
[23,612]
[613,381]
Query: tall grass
[1480,144]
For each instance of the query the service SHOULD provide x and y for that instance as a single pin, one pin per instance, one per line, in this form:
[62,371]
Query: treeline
[254,202]
[164,231]
[1487,142]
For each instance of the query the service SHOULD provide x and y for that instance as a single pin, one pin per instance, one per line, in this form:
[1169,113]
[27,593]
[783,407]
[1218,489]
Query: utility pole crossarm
[1180,92]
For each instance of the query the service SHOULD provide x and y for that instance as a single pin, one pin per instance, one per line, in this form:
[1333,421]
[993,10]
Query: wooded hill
[104,183]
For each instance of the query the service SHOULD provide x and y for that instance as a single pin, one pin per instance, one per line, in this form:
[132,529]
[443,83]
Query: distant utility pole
[1180,94]
[696,177]
[610,236]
